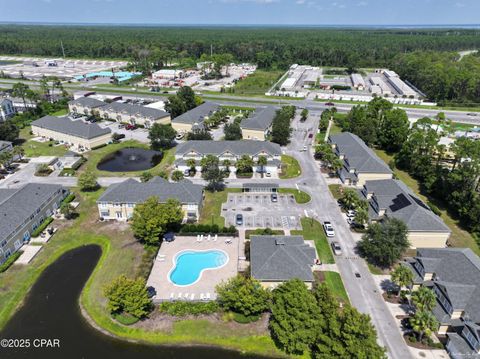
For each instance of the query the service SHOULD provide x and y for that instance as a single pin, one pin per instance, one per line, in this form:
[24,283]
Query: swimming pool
[189,265]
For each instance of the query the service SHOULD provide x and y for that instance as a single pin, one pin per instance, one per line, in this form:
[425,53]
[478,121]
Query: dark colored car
[310,135]
[239,219]
[329,104]
[130,127]
[274,197]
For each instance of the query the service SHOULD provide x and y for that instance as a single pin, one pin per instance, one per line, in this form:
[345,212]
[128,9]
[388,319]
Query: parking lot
[139,134]
[259,211]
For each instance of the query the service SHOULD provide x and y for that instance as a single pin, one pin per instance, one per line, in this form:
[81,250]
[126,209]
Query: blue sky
[287,12]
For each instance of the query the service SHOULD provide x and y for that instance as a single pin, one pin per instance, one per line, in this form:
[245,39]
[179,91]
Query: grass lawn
[95,156]
[300,196]
[335,189]
[260,232]
[62,112]
[121,255]
[36,149]
[290,167]
[335,283]
[257,83]
[212,205]
[312,230]
[459,236]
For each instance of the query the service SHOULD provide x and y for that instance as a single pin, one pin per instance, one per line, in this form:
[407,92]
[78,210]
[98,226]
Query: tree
[6,158]
[243,295]
[384,243]
[146,176]
[232,131]
[175,106]
[304,114]
[18,152]
[211,172]
[151,219]
[87,181]
[128,296]
[281,129]
[423,323]
[361,216]
[67,210]
[402,277]
[296,319]
[350,198]
[244,164]
[187,96]
[199,135]
[191,163]
[23,91]
[8,131]
[394,130]
[424,299]
[262,162]
[177,175]
[161,136]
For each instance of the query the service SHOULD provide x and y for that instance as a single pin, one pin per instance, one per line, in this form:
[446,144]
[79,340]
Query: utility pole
[330,122]
[63,50]
[211,50]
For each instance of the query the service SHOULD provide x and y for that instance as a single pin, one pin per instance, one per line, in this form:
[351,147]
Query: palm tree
[18,152]
[424,299]
[402,277]
[423,323]
[21,90]
[227,164]
[361,216]
[262,162]
[349,198]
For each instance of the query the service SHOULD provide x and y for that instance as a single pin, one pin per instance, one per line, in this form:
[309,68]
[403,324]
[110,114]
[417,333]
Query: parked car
[337,250]
[304,149]
[328,228]
[471,114]
[268,174]
[329,104]
[186,172]
[274,197]
[310,135]
[358,275]
[130,127]
[239,219]
[179,136]
[351,213]
[121,125]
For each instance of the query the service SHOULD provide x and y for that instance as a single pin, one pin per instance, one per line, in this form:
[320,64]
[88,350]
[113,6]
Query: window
[130,205]
[420,269]
[471,339]
[443,301]
[4,243]
[119,215]
[105,214]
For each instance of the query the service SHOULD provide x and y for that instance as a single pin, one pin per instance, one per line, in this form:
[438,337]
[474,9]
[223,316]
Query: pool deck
[164,263]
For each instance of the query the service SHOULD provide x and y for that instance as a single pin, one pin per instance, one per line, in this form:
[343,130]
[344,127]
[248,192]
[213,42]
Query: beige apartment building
[133,114]
[195,118]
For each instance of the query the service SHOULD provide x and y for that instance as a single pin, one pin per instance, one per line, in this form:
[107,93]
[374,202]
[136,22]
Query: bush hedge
[125,318]
[194,229]
[69,198]
[10,260]
[42,227]
[243,319]
[181,309]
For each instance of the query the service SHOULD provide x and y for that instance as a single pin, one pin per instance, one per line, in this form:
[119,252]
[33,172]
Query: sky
[247,12]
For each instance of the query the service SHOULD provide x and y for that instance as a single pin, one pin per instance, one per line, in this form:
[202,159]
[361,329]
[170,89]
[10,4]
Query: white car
[179,136]
[351,213]
[268,174]
[328,228]
[337,250]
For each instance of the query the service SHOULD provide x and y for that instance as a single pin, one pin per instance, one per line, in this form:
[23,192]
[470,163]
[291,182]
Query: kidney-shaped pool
[189,265]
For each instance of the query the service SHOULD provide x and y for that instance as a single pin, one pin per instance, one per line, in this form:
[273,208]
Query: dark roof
[197,115]
[4,145]
[399,202]
[17,205]
[134,110]
[87,102]
[280,258]
[76,128]
[132,191]
[261,119]
[357,154]
[459,348]
[241,147]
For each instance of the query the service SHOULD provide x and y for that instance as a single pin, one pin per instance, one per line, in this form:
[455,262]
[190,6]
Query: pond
[51,311]
[130,159]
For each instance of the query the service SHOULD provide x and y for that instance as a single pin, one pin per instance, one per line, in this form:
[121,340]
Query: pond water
[51,311]
[130,159]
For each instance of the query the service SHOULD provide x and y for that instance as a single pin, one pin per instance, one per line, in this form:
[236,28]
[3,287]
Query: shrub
[243,319]
[42,227]
[195,229]
[434,208]
[125,318]
[181,309]
[69,198]
[9,262]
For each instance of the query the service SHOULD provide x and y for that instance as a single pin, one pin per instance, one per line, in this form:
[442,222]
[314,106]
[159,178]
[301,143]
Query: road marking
[306,213]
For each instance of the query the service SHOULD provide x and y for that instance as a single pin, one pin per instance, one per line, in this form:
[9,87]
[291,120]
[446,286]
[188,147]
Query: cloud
[362,3]
[300,2]
[250,1]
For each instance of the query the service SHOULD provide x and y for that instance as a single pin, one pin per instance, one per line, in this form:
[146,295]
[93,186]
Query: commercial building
[229,150]
[377,82]
[167,74]
[358,82]
[119,200]
[393,199]
[85,106]
[276,259]
[6,109]
[454,276]
[82,136]
[22,210]
[195,118]
[360,163]
[259,124]
[401,87]
[133,114]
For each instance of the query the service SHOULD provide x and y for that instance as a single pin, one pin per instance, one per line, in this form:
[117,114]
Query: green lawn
[290,167]
[212,206]
[260,232]
[95,156]
[258,83]
[62,112]
[312,230]
[459,236]
[36,149]
[335,189]
[300,196]
[335,283]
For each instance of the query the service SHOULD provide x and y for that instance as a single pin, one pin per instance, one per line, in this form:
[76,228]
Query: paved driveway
[140,134]
[259,211]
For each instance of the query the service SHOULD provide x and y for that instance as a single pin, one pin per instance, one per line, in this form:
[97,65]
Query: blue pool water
[190,264]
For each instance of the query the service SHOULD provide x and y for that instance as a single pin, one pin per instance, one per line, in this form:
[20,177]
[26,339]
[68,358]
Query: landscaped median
[290,167]
[300,196]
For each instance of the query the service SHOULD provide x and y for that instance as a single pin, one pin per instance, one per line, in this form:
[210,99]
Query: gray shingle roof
[17,205]
[399,202]
[459,348]
[134,110]
[67,126]
[357,154]
[4,145]
[197,114]
[261,119]
[132,191]
[87,102]
[241,147]
[280,258]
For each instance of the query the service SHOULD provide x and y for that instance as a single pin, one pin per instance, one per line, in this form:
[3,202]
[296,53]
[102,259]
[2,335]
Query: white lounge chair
[172,296]
[201,237]
[198,238]
[201,296]
[209,237]
[180,295]
[208,296]
[186,295]
[215,238]
[192,297]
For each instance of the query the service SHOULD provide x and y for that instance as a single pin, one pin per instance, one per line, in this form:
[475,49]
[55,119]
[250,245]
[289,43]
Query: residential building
[6,146]
[360,163]
[6,109]
[393,199]
[454,276]
[81,136]
[119,200]
[134,114]
[276,259]
[259,124]
[22,210]
[194,118]
[229,150]
[85,106]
